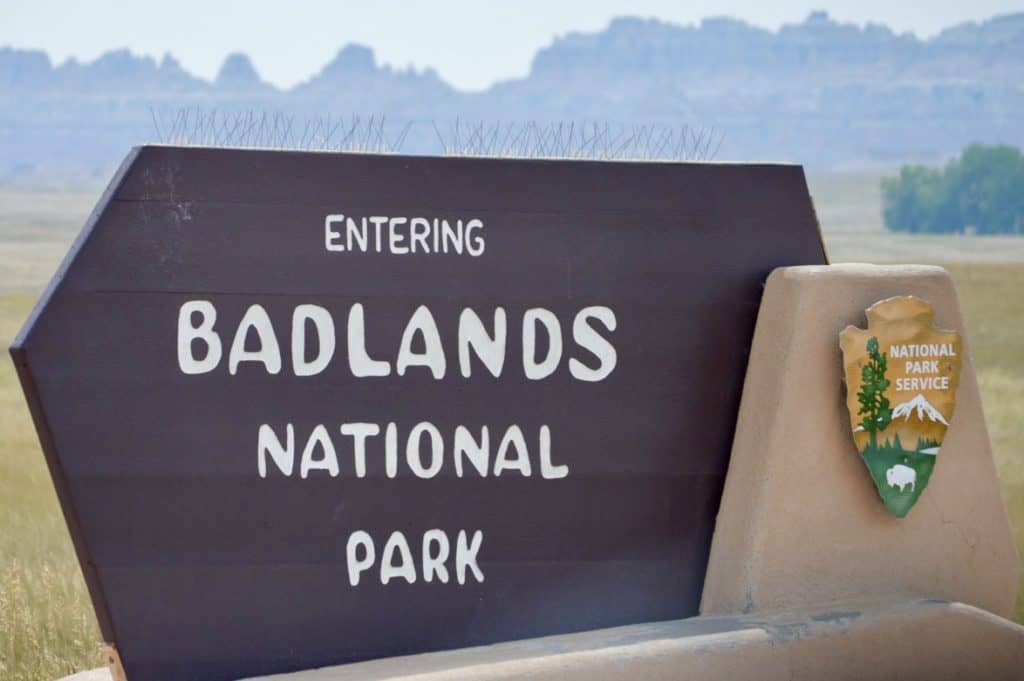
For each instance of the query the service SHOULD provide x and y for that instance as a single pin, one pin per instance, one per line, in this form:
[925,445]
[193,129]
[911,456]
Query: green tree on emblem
[874,405]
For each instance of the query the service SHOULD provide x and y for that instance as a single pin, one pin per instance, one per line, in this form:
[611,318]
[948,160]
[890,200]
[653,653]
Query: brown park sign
[306,408]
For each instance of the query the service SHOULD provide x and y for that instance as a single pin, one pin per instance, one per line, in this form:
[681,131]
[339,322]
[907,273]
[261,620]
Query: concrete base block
[930,640]
[101,674]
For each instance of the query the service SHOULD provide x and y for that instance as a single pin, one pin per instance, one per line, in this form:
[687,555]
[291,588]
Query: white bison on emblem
[901,476]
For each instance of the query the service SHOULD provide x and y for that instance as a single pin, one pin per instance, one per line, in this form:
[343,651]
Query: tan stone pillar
[800,521]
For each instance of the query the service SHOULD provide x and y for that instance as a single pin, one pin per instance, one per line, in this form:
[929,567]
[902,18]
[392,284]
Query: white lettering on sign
[357,450]
[396,561]
[190,331]
[922,383]
[921,350]
[255,343]
[489,349]
[913,354]
[267,353]
[324,325]
[426,452]
[403,235]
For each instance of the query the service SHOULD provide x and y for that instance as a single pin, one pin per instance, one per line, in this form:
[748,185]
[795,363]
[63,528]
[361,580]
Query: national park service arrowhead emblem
[901,378]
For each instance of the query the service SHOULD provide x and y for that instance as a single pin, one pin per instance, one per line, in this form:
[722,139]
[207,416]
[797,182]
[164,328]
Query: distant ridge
[237,74]
[920,407]
[819,92]
[817,48]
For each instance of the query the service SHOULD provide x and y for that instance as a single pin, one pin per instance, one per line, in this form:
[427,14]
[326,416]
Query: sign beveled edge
[19,356]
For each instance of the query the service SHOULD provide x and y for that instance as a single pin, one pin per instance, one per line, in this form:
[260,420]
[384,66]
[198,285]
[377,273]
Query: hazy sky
[471,43]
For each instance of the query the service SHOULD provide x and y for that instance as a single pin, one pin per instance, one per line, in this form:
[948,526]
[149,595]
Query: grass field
[47,628]
[46,624]
[849,207]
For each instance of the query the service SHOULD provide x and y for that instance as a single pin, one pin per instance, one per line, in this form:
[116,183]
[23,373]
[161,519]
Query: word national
[922,350]
[420,348]
[424,455]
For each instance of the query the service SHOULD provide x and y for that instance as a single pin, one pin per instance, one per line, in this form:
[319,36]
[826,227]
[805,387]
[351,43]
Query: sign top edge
[539,159]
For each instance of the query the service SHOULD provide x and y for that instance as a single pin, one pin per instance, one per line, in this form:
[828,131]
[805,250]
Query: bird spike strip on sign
[196,126]
[901,380]
[306,408]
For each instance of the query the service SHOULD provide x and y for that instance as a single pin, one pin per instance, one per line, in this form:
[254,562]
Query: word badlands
[314,341]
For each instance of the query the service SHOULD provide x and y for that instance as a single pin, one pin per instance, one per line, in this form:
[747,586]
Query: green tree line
[981,192]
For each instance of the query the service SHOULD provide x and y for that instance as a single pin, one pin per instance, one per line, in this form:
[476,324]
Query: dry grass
[36,228]
[992,299]
[47,628]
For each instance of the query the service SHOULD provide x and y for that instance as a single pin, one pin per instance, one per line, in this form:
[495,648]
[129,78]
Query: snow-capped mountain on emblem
[923,409]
